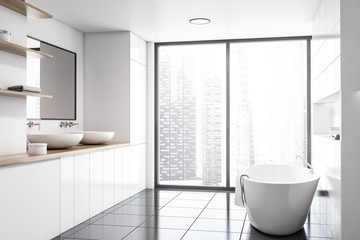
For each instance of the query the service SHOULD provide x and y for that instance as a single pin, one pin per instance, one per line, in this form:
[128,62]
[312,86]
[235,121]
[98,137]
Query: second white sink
[56,140]
[96,137]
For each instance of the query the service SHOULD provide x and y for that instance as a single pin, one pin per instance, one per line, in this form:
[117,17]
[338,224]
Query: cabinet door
[142,166]
[118,165]
[126,172]
[134,170]
[67,193]
[137,103]
[96,183]
[30,201]
[81,188]
[108,178]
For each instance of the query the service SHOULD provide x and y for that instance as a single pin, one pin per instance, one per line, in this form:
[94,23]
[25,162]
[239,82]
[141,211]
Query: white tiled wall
[325,94]
[325,52]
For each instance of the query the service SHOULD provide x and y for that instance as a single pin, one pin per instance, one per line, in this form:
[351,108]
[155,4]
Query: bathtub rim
[316,176]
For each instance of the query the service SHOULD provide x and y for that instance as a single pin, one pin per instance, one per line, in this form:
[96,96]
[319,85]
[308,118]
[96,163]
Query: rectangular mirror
[55,77]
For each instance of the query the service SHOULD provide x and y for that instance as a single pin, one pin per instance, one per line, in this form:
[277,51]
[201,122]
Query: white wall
[325,85]
[54,32]
[350,111]
[150,114]
[115,88]
[13,72]
[107,87]
[138,89]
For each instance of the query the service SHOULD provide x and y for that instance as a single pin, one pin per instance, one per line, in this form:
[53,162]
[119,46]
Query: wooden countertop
[17,159]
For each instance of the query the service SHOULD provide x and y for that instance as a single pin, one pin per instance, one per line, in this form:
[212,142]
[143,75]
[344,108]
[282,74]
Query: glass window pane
[192,114]
[268,116]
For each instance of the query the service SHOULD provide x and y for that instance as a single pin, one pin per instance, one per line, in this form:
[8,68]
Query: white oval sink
[96,137]
[56,140]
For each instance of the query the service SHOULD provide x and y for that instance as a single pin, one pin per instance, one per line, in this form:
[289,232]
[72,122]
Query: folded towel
[24,88]
[238,191]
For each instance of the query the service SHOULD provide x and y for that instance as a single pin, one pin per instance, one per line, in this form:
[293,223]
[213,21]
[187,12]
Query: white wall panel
[96,183]
[137,49]
[108,178]
[134,169]
[150,106]
[67,193]
[81,188]
[137,103]
[126,172]
[142,167]
[118,175]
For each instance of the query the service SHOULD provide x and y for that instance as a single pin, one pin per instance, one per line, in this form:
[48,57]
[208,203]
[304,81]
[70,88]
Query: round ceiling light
[199,21]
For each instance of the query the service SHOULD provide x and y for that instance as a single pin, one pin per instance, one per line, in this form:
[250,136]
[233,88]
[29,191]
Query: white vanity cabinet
[96,181]
[30,201]
[50,196]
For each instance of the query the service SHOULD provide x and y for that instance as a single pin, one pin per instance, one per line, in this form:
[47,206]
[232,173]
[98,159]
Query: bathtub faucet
[306,162]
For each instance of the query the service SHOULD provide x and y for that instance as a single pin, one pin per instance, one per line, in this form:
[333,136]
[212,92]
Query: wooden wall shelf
[22,51]
[22,94]
[25,9]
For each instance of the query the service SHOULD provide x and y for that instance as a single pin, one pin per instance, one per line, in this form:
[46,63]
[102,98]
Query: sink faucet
[71,124]
[31,124]
[64,124]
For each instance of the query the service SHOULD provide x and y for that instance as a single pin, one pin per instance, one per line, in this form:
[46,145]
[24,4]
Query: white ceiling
[167,20]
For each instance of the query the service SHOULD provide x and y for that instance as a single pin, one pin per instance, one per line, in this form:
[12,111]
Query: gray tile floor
[188,215]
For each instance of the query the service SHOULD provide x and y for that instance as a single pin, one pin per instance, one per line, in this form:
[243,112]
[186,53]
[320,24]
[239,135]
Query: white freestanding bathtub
[278,197]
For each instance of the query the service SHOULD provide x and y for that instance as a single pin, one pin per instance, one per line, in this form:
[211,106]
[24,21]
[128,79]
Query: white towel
[238,192]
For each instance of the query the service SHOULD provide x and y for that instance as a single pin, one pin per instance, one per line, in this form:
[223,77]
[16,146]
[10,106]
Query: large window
[192,117]
[268,103]
[223,106]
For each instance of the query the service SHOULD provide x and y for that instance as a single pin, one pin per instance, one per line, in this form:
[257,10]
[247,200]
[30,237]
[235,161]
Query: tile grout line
[198,215]
[151,215]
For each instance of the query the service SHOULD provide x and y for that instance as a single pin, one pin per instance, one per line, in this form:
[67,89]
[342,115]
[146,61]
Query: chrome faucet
[64,124]
[306,162]
[31,124]
[71,124]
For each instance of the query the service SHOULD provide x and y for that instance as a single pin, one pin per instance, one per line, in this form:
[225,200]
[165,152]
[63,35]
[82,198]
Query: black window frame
[227,42]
